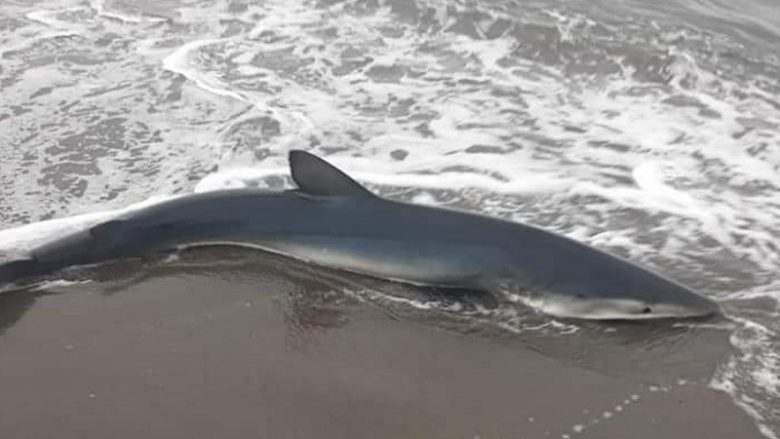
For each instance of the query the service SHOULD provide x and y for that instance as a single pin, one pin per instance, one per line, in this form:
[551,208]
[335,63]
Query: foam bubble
[750,376]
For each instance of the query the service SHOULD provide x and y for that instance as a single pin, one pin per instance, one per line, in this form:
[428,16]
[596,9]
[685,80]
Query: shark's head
[654,298]
[626,308]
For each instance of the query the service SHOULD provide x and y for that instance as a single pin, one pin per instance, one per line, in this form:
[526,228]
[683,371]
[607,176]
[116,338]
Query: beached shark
[333,221]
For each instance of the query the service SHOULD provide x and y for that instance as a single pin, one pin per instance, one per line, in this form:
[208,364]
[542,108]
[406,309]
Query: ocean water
[649,129]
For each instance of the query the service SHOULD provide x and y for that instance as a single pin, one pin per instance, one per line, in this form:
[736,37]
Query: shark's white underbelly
[445,264]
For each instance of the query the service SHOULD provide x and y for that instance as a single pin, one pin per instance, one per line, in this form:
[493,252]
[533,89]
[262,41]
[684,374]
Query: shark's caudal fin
[18,270]
[315,176]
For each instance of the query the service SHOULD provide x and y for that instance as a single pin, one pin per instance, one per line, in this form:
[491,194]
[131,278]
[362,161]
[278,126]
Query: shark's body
[333,221]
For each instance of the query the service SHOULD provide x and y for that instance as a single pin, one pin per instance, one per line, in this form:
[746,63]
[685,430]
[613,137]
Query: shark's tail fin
[15,271]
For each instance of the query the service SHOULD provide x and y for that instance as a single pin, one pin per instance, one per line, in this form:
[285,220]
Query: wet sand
[205,353]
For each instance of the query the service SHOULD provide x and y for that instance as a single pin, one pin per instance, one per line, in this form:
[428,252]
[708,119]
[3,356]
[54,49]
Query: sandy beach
[254,350]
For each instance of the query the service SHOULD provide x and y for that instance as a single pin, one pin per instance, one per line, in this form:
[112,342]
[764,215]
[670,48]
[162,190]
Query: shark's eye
[647,310]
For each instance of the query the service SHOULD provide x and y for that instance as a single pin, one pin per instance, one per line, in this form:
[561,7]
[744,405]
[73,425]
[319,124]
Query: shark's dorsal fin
[315,176]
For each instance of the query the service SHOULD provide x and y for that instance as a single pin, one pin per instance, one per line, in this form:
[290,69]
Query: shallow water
[647,129]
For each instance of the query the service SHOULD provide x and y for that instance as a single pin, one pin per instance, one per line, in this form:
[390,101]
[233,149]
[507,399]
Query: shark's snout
[674,302]
[685,304]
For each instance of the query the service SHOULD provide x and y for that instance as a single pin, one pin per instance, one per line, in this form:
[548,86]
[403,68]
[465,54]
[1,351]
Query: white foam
[750,377]
[123,17]
[178,62]
[242,177]
[100,8]
[49,18]
[770,291]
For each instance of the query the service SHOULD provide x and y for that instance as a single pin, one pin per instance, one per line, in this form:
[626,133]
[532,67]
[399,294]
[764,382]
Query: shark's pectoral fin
[106,229]
[315,176]
[14,271]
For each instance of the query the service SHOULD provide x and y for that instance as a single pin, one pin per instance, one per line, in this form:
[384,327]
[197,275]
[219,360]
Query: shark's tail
[14,272]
